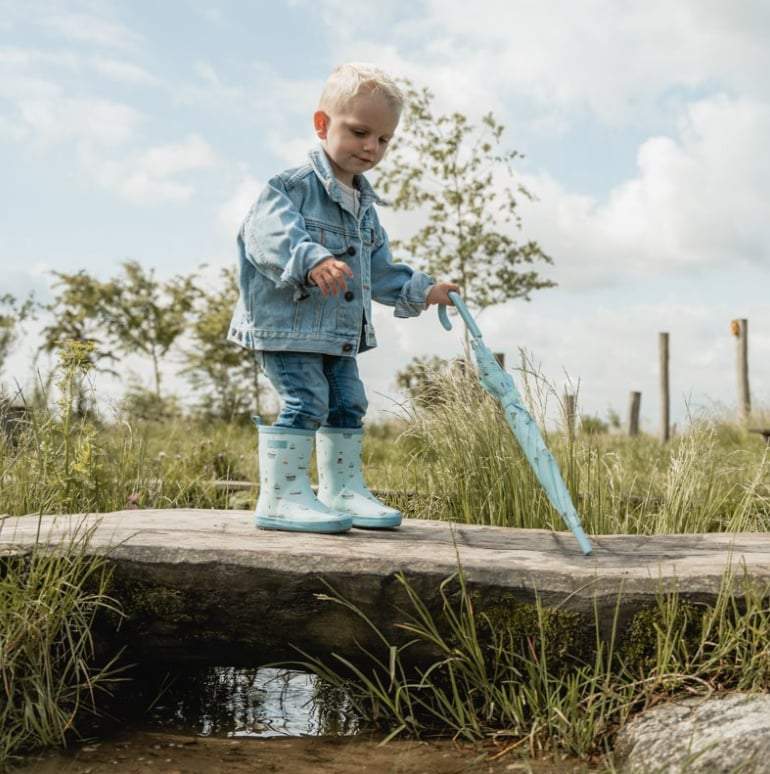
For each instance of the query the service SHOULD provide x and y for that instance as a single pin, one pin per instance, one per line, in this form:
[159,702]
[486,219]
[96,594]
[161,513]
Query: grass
[453,458]
[715,477]
[500,675]
[55,461]
[50,677]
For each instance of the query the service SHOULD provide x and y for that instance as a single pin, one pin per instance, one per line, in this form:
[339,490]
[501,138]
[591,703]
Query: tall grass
[454,457]
[49,675]
[466,462]
[55,460]
[507,675]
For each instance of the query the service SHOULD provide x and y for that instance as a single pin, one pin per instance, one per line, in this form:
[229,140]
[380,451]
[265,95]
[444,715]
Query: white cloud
[40,109]
[96,30]
[16,64]
[699,199]
[607,351]
[231,214]
[62,119]
[291,151]
[621,62]
[152,175]
[122,71]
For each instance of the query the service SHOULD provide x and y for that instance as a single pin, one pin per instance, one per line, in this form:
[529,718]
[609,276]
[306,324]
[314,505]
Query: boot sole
[294,525]
[377,522]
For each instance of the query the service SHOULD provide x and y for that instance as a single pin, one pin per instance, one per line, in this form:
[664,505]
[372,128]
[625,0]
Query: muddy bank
[142,752]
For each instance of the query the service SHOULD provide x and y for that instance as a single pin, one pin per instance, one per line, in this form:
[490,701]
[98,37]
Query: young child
[313,256]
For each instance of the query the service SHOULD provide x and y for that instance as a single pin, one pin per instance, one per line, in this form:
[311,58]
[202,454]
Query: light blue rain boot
[341,482]
[286,500]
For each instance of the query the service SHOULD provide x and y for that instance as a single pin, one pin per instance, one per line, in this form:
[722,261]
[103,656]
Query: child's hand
[330,275]
[439,293]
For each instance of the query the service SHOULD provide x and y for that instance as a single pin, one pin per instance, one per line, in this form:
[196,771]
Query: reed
[463,460]
[510,678]
[50,675]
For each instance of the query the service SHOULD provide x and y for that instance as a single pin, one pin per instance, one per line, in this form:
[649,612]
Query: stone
[714,735]
[206,587]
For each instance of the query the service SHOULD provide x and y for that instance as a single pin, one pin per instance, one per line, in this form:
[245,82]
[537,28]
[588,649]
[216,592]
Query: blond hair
[349,80]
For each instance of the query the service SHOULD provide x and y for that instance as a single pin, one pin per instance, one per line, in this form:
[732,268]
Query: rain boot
[286,500]
[341,482]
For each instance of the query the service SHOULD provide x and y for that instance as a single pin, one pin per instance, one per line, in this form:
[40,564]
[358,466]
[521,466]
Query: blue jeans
[316,389]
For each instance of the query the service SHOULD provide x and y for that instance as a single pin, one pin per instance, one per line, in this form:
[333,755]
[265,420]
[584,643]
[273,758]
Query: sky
[144,130]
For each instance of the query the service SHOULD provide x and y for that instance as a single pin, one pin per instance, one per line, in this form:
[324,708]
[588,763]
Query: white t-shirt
[351,198]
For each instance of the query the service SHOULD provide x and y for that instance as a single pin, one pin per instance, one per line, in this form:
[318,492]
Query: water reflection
[235,702]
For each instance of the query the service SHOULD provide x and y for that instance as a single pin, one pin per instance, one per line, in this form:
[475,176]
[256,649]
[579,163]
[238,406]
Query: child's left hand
[439,293]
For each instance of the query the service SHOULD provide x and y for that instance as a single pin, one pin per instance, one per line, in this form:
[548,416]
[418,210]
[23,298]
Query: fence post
[740,329]
[665,405]
[570,414]
[633,413]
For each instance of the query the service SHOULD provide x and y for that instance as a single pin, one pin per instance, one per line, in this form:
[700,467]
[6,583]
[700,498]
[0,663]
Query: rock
[206,587]
[718,734]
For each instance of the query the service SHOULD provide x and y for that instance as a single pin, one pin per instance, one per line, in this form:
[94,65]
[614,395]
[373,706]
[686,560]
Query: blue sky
[143,130]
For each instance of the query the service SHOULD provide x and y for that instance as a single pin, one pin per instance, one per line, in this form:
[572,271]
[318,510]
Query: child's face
[356,136]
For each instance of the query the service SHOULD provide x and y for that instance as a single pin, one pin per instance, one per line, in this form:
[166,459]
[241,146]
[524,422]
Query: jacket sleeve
[276,241]
[396,284]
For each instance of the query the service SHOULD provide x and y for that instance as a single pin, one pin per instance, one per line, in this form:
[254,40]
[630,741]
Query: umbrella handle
[463,312]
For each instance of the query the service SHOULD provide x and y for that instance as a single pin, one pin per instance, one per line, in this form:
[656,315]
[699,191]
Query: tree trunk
[156,371]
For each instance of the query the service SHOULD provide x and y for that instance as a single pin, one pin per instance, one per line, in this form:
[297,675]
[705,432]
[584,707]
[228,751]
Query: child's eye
[359,132]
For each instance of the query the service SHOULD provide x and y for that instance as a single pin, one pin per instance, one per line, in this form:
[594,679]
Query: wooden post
[740,329]
[633,413]
[570,414]
[500,357]
[665,405]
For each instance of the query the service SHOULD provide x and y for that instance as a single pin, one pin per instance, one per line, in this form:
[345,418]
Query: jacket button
[349,295]
[347,346]
[351,250]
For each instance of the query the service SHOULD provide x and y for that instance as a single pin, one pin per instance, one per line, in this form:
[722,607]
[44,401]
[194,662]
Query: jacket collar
[321,166]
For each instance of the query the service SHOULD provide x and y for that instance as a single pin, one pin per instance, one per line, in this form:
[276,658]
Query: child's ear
[321,124]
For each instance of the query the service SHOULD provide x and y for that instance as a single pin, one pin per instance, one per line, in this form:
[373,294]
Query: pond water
[236,702]
[233,720]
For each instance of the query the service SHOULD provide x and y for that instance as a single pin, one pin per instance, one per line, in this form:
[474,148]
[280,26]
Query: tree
[76,320]
[12,315]
[77,315]
[225,375]
[145,316]
[420,379]
[448,166]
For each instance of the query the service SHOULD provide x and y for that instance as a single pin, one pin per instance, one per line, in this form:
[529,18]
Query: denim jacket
[296,223]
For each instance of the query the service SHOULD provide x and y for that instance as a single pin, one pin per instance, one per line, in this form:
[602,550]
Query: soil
[142,752]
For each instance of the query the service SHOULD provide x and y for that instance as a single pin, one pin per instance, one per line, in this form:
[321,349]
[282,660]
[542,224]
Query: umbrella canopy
[498,383]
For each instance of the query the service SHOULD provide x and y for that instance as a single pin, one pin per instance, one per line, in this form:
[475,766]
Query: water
[239,702]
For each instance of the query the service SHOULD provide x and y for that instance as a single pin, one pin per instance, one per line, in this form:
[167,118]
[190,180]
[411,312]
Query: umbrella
[500,385]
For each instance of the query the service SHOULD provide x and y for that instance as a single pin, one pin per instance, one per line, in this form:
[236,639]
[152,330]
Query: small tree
[12,315]
[145,316]
[449,167]
[419,379]
[76,320]
[76,314]
[226,377]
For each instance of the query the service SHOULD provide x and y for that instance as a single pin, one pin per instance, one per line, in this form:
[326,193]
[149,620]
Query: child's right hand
[330,275]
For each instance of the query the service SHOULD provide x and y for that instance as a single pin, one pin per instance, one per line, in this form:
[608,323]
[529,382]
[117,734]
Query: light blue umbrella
[500,385]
